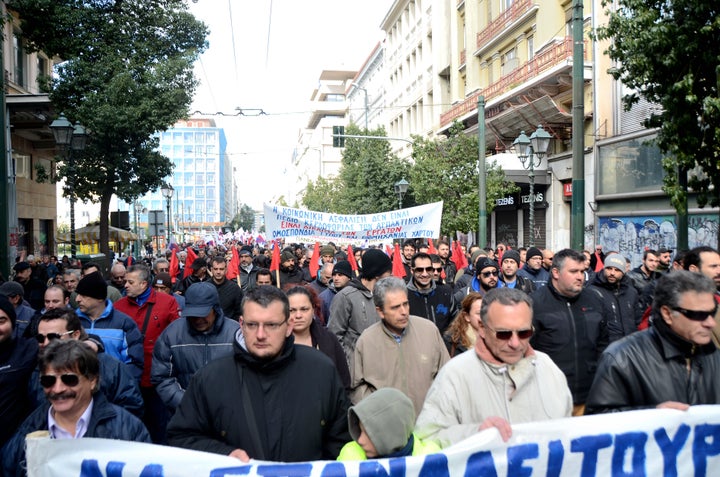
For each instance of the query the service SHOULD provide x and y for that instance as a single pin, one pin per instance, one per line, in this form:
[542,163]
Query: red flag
[232,269]
[275,263]
[314,261]
[129,261]
[174,266]
[351,259]
[458,256]
[191,256]
[398,270]
[431,247]
[388,251]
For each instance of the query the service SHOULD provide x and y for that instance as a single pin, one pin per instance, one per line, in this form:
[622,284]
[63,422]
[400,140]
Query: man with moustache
[69,375]
[618,291]
[485,279]
[706,260]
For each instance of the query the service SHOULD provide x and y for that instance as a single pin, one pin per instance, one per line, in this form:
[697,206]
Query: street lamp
[139,209]
[401,188]
[70,138]
[530,151]
[167,192]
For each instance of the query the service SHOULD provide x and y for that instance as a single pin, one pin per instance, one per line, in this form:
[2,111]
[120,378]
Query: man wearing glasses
[502,381]
[486,278]
[429,298]
[674,363]
[270,400]
[203,334]
[570,323]
[69,375]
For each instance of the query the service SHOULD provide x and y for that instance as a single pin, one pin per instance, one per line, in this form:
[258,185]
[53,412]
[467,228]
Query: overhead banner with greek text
[287,223]
[638,443]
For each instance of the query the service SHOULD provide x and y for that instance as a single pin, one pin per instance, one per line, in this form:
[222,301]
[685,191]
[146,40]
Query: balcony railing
[540,63]
[516,10]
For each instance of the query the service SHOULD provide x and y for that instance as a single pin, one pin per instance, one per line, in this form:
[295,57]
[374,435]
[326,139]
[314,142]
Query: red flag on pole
[351,259]
[275,262]
[129,261]
[232,269]
[314,261]
[431,247]
[388,251]
[191,256]
[458,256]
[174,266]
[398,270]
[598,262]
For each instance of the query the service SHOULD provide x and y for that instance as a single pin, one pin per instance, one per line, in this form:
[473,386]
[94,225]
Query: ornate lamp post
[70,138]
[167,192]
[530,151]
[401,187]
[139,209]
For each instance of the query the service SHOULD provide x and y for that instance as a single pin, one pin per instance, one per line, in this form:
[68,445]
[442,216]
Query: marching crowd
[349,355]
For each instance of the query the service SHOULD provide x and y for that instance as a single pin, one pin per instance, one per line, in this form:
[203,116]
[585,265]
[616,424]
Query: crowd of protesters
[299,352]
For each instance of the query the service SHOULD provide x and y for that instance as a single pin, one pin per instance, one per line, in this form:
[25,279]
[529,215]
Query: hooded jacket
[181,351]
[352,312]
[107,421]
[388,418]
[622,299]
[654,366]
[436,304]
[573,332]
[297,405]
[540,277]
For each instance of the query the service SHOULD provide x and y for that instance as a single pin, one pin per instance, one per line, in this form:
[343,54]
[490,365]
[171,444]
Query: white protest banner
[422,221]
[638,443]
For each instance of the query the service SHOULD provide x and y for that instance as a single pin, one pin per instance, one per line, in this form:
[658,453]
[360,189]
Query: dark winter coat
[622,299]
[573,332]
[654,366]
[231,297]
[18,358]
[297,400]
[436,304]
[326,342]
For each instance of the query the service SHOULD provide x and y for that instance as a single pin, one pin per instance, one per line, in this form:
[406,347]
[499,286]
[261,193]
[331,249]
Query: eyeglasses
[696,315]
[505,335]
[51,336]
[488,274]
[254,326]
[49,380]
[423,269]
[437,270]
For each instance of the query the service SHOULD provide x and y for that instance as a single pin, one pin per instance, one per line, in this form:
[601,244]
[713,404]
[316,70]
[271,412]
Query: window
[210,192]
[19,60]
[200,192]
[632,165]
[43,78]
[199,178]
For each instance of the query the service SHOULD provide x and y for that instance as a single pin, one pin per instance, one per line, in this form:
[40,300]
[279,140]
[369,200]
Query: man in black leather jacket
[674,364]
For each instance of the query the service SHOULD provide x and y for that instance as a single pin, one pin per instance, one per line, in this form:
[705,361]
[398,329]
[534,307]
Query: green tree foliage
[127,75]
[446,169]
[667,53]
[322,195]
[245,218]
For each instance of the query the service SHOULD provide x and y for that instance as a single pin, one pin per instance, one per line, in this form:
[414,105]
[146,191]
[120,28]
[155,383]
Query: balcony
[463,58]
[516,10]
[542,62]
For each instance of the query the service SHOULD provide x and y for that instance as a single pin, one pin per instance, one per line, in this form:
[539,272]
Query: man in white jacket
[501,382]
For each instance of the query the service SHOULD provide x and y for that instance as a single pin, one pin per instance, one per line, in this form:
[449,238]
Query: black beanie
[375,263]
[92,285]
[343,268]
[533,252]
[9,310]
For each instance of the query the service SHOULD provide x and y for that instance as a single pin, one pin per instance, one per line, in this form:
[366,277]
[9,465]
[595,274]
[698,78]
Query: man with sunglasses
[69,375]
[674,363]
[570,323]
[502,381]
[269,400]
[116,383]
[429,298]
[487,274]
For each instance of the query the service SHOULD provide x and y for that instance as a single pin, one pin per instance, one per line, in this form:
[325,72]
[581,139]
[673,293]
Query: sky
[267,55]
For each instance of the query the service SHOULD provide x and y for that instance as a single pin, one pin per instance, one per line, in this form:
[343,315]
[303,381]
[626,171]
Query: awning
[91,234]
[506,126]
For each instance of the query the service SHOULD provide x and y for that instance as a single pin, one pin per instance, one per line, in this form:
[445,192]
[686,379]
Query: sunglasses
[488,274]
[438,270]
[51,336]
[505,335]
[49,380]
[423,269]
[696,315]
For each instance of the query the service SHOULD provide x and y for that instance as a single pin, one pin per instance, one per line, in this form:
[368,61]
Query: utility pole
[5,258]
[482,186]
[577,219]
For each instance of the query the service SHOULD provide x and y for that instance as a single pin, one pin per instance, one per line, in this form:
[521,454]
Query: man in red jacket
[152,312]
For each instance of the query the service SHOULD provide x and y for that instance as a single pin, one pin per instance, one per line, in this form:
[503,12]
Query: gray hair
[142,270]
[504,296]
[385,285]
[671,286]
[72,271]
[159,261]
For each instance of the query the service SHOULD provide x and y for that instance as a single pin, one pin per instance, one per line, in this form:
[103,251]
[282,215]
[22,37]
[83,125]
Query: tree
[666,52]
[446,169]
[127,75]
[322,195]
[244,219]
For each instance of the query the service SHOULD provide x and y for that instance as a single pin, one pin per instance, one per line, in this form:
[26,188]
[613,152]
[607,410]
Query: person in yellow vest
[381,426]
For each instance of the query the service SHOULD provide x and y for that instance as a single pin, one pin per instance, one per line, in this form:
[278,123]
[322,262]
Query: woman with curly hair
[309,331]
[462,332]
